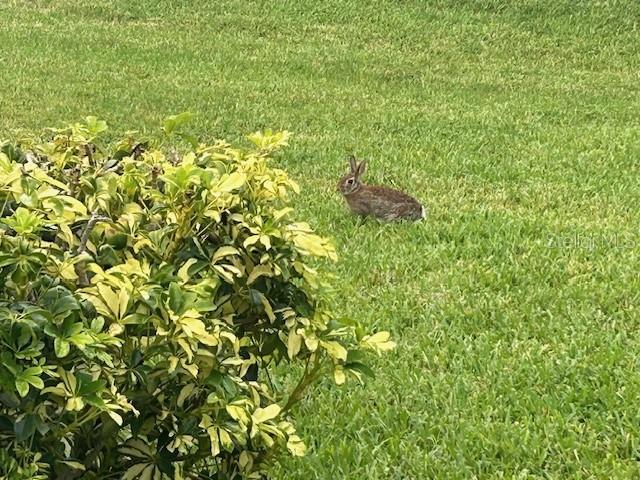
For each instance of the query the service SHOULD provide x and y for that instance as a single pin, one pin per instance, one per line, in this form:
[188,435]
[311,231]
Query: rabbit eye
[350,181]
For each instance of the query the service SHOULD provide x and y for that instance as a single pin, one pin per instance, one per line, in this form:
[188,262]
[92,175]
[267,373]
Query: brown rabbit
[381,202]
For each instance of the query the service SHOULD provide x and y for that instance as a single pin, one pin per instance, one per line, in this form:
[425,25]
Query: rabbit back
[385,203]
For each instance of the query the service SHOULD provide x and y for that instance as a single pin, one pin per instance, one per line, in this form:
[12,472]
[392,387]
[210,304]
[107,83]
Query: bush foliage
[146,299]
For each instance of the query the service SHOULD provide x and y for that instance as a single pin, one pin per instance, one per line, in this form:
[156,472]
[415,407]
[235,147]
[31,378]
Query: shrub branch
[82,248]
[84,238]
[308,377]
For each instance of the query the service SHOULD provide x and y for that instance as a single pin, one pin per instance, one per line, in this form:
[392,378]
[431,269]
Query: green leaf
[173,122]
[60,302]
[22,386]
[88,386]
[360,368]
[35,381]
[23,221]
[95,126]
[25,427]
[191,139]
[176,298]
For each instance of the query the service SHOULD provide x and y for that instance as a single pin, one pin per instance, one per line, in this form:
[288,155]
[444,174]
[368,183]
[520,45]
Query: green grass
[517,125]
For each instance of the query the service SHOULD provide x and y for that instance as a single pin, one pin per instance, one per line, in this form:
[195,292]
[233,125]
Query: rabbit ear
[361,168]
[352,163]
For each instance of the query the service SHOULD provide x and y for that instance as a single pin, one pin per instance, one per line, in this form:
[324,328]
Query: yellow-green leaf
[133,472]
[115,417]
[267,308]
[314,245]
[294,342]
[378,337]
[224,274]
[214,441]
[173,363]
[245,461]
[296,446]
[231,182]
[74,205]
[238,413]
[224,252]
[110,298]
[251,240]
[186,347]
[379,342]
[43,177]
[191,368]
[311,341]
[74,465]
[259,271]
[148,472]
[261,415]
[123,303]
[184,393]
[183,273]
[225,439]
[278,214]
[192,326]
[335,350]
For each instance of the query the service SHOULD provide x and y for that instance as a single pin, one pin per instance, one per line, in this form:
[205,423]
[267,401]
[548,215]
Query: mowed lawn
[515,305]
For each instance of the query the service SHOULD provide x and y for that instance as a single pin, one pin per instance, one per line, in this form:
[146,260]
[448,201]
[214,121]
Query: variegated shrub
[146,297]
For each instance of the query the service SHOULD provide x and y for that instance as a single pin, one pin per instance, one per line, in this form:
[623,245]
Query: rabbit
[383,203]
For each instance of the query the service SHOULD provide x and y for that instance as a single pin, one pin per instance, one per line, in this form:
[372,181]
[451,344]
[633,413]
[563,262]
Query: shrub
[146,298]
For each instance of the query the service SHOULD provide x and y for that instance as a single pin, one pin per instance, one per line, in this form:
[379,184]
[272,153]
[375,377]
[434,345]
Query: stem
[266,371]
[83,280]
[95,218]
[78,423]
[74,182]
[308,377]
